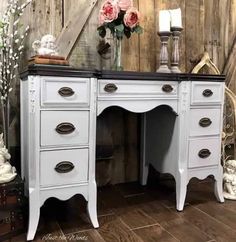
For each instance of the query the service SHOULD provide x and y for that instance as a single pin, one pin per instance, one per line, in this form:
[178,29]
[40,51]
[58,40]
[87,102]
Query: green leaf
[138,29]
[120,28]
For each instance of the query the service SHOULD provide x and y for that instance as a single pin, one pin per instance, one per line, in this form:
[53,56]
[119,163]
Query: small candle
[164,21]
[176,18]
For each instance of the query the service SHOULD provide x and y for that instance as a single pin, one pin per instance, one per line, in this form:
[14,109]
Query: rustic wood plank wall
[208,25]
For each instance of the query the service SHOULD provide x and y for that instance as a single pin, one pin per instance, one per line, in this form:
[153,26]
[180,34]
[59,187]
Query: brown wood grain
[113,229]
[147,39]
[185,232]
[200,222]
[154,233]
[212,227]
[134,217]
[218,211]
[194,31]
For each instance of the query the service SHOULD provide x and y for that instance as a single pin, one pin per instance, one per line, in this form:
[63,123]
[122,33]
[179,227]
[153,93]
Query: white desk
[59,107]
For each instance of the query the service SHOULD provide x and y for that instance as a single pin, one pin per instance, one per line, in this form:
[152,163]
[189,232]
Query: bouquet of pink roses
[120,17]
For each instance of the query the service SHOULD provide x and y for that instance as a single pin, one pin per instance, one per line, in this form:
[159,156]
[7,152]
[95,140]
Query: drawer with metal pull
[204,93]
[63,167]
[68,91]
[66,128]
[204,152]
[205,122]
[134,88]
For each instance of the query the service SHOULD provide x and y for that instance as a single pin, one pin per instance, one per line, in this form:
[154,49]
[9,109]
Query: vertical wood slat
[43,17]
[194,31]
[147,39]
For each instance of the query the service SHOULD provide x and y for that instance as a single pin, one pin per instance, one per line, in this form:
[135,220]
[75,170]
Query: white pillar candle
[176,18]
[164,21]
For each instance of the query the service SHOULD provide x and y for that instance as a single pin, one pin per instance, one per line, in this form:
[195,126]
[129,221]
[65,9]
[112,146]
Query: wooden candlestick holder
[164,37]
[176,32]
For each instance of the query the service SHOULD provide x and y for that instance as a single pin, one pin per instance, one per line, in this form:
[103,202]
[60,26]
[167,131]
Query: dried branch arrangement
[12,36]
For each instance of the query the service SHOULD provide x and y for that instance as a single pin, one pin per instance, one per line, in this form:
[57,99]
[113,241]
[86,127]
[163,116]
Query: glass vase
[117,66]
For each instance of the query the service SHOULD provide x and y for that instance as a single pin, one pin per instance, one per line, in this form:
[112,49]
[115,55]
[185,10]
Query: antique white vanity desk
[59,107]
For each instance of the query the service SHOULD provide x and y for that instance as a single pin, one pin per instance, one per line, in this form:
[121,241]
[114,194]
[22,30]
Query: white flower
[16,22]
[17,41]
[21,48]
[16,65]
[10,89]
[23,6]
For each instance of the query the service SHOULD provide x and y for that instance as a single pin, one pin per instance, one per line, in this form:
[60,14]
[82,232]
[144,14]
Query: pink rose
[125,4]
[109,12]
[132,17]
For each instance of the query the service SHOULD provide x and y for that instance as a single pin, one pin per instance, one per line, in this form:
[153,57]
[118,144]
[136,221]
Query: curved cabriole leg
[218,187]
[34,213]
[92,204]
[181,190]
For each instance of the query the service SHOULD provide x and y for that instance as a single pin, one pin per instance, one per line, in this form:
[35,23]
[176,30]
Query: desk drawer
[205,122]
[60,91]
[207,93]
[204,152]
[131,88]
[63,167]
[64,128]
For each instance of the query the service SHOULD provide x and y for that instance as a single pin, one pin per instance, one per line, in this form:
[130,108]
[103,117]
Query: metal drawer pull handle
[207,93]
[110,87]
[66,92]
[65,128]
[167,88]
[64,167]
[204,153]
[205,122]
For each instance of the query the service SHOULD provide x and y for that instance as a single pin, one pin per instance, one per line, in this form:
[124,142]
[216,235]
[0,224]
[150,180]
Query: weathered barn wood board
[84,54]
[43,17]
[147,39]
[68,36]
[194,31]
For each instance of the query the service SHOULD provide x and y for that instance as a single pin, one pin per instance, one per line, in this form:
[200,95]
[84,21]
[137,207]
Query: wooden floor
[130,212]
